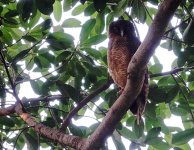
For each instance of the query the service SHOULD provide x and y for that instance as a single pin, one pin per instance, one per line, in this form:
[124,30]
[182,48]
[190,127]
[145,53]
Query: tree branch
[10,110]
[83,103]
[54,134]
[136,72]
[174,71]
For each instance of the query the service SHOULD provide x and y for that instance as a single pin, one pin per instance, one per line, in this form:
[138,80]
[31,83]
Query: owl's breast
[119,57]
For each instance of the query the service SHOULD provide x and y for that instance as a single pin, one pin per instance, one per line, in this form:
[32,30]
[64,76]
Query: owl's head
[121,28]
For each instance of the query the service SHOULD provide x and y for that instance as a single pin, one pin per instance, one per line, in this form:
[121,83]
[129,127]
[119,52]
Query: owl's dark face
[121,28]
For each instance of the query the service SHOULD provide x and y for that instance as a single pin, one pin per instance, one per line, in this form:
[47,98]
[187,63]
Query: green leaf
[138,10]
[152,135]
[66,89]
[37,86]
[21,55]
[156,68]
[111,97]
[163,111]
[94,40]
[100,23]
[25,8]
[188,34]
[78,130]
[60,40]
[154,2]
[31,141]
[183,137]
[78,10]
[92,52]
[7,121]
[49,6]
[6,38]
[138,128]
[128,134]
[109,19]
[86,29]
[64,55]
[89,10]
[71,23]
[67,4]
[57,10]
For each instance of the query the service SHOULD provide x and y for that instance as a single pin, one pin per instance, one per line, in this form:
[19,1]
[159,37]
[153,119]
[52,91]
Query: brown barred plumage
[123,43]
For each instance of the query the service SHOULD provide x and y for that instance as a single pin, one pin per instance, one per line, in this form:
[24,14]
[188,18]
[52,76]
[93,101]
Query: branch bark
[136,70]
[54,134]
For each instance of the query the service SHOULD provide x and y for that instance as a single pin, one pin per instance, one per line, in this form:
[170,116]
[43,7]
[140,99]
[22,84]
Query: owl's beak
[122,32]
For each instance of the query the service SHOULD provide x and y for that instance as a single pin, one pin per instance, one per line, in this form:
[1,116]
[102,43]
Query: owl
[122,45]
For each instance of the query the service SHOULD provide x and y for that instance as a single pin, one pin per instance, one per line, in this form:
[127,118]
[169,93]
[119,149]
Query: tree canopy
[40,51]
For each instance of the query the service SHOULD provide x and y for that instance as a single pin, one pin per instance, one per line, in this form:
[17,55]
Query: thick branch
[136,70]
[83,103]
[53,134]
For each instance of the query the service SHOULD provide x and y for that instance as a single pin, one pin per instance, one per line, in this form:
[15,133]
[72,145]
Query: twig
[172,29]
[10,110]
[83,103]
[174,71]
[9,78]
[185,97]
[147,10]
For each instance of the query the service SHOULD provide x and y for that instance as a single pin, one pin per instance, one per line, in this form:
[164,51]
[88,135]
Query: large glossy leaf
[57,10]
[86,29]
[188,34]
[152,136]
[60,40]
[71,22]
[68,90]
[7,121]
[32,142]
[138,10]
[49,6]
[94,40]
[138,128]
[183,137]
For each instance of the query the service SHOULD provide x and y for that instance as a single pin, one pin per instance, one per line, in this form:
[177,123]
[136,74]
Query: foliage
[39,40]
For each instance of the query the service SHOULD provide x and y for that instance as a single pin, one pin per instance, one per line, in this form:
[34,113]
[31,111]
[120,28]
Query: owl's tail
[138,107]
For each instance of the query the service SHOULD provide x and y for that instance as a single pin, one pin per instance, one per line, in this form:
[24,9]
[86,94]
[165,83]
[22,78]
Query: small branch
[10,110]
[9,78]
[53,134]
[172,29]
[83,103]
[147,10]
[174,71]
[44,99]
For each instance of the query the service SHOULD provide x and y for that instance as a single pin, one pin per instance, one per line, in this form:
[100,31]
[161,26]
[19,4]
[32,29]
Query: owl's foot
[120,91]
